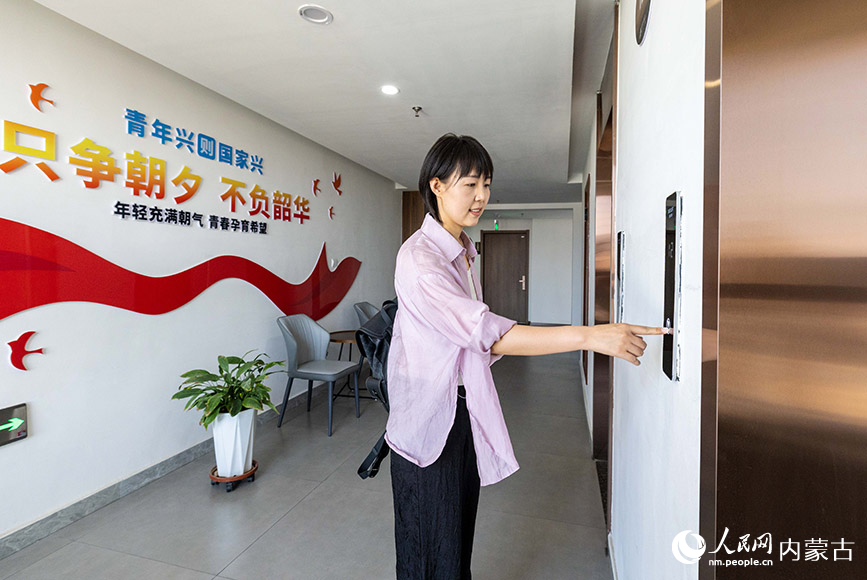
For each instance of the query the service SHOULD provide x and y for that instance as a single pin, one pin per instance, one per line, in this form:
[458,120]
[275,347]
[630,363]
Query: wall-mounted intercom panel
[671,308]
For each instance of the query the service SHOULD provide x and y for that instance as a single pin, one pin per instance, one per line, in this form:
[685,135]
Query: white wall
[660,145]
[549,293]
[99,397]
[550,261]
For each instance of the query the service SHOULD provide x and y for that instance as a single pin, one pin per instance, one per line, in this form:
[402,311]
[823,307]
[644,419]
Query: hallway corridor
[309,517]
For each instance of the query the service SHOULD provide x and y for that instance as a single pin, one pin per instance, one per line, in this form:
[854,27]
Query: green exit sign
[13,423]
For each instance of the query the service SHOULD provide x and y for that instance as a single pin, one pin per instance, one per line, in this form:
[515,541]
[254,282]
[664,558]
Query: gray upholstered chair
[306,347]
[365,311]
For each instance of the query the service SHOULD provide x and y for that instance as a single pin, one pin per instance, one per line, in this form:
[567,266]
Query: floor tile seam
[543,519]
[287,477]
[300,416]
[387,493]
[342,463]
[380,492]
[66,543]
[558,394]
[358,448]
[543,362]
[290,477]
[24,569]
[542,373]
[349,456]
[307,427]
[280,519]
[288,428]
[291,425]
[150,559]
[554,386]
[299,502]
[515,411]
[519,448]
[523,411]
[345,461]
[308,479]
[353,448]
[27,567]
[336,469]
[356,471]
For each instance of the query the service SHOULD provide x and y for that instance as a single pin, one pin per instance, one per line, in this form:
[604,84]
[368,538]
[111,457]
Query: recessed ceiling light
[390,89]
[315,14]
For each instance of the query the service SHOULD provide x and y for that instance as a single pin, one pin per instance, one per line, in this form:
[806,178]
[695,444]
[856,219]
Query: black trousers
[435,508]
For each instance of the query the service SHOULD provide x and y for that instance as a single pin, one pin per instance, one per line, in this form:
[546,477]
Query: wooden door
[506,272]
[413,213]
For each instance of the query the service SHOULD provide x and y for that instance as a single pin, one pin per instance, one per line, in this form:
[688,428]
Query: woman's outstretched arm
[620,340]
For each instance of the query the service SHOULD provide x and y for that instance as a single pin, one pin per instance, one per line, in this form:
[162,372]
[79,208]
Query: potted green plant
[229,399]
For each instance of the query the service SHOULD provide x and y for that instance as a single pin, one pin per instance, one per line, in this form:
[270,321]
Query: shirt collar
[446,243]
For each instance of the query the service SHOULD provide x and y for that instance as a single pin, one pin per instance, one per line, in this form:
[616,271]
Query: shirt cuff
[490,329]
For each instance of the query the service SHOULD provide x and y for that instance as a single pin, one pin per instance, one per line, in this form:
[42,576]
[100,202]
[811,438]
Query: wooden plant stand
[232,482]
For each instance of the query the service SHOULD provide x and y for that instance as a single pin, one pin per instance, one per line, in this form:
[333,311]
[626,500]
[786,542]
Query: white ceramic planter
[233,442]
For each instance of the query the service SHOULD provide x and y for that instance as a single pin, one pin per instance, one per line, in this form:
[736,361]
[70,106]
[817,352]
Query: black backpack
[374,340]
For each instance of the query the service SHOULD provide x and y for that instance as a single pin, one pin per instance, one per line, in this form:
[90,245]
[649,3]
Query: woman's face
[461,201]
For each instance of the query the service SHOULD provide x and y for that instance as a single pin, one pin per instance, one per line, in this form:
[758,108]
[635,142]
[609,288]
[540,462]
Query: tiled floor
[309,517]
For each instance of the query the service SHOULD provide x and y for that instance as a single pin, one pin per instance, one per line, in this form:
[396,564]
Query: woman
[445,426]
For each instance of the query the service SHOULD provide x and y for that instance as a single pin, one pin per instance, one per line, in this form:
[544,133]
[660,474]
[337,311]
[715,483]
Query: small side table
[344,337]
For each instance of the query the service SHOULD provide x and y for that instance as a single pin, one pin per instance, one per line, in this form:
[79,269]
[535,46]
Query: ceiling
[500,70]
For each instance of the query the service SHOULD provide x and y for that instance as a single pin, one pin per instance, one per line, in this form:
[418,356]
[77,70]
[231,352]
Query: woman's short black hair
[452,153]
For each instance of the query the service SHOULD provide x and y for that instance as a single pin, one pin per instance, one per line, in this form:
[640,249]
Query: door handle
[523,282]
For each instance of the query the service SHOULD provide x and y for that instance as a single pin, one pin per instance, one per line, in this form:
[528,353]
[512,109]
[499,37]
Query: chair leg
[355,376]
[330,405]
[309,393]
[285,400]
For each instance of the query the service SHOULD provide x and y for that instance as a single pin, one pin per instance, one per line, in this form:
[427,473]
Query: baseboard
[611,557]
[27,535]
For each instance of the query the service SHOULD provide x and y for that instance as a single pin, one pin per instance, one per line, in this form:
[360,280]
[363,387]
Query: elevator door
[602,387]
[792,375]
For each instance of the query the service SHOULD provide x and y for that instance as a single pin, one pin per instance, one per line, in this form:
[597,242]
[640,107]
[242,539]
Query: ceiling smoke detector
[315,14]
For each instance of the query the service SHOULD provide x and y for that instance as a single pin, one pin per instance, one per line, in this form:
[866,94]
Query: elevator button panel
[672,296]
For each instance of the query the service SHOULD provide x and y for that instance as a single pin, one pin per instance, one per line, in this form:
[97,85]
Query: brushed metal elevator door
[602,364]
[792,373]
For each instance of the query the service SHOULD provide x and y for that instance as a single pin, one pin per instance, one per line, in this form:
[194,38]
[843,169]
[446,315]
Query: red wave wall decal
[38,268]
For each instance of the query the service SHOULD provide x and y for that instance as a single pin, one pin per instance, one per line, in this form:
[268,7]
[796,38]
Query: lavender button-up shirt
[440,331]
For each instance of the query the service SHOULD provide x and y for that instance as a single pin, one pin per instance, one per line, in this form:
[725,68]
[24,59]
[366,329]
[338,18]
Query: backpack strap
[386,306]
[370,466]
[389,321]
